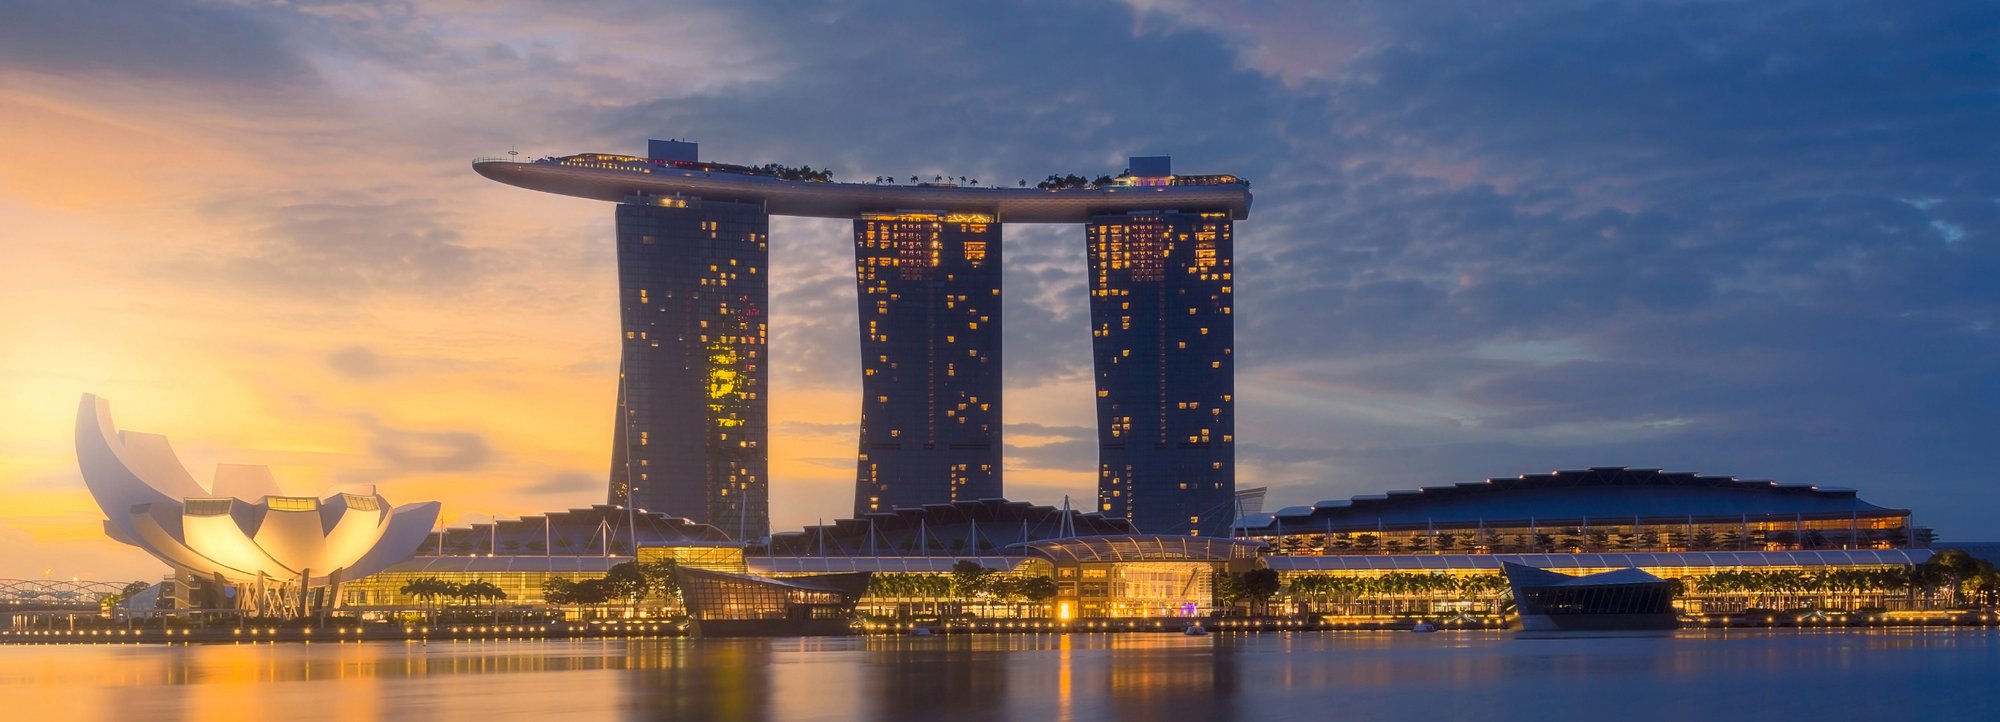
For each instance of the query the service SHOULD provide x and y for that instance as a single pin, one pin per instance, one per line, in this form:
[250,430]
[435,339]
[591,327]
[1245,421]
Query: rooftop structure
[623,179]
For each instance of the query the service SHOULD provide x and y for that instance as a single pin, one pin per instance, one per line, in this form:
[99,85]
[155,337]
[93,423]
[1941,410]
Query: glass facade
[1607,599]
[723,604]
[520,578]
[1162,334]
[720,558]
[928,285]
[1138,589]
[692,424]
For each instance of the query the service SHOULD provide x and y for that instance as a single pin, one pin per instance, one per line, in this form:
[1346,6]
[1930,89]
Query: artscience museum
[240,539]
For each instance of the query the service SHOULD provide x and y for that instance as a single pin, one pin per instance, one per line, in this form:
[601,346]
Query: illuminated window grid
[927,289]
[1164,376]
[693,281]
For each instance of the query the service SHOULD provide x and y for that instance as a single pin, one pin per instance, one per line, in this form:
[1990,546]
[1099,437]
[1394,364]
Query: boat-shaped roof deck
[621,179]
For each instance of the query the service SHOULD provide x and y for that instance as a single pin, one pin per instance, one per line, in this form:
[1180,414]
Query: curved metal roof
[1610,494]
[575,531]
[999,523]
[1441,562]
[851,200]
[1142,547]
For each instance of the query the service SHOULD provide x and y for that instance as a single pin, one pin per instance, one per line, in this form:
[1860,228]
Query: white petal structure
[242,527]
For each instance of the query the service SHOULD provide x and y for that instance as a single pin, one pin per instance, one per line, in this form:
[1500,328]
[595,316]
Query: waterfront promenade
[663,628]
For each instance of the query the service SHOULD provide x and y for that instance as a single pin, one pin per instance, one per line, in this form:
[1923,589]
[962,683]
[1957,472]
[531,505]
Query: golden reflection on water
[1043,678]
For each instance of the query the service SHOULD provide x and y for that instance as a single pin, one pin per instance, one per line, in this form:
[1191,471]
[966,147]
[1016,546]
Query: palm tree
[428,590]
[1735,540]
[479,591]
[1704,539]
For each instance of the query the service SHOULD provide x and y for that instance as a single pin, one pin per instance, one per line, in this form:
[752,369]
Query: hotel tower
[691,430]
[928,285]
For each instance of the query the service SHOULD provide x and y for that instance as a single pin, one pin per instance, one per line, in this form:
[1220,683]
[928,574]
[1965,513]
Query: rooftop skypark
[671,170]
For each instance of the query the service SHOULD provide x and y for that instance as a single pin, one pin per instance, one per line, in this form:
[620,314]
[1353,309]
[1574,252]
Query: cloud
[345,249]
[413,451]
[569,484]
[357,362]
[183,43]
[1035,448]
[365,363]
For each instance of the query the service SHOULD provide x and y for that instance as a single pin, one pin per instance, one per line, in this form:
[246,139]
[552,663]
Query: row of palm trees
[969,583]
[934,587]
[431,590]
[1394,591]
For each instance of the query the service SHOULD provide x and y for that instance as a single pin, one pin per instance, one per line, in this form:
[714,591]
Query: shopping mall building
[1729,545]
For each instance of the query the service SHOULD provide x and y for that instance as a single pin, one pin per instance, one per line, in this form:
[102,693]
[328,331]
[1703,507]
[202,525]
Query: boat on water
[1623,600]
[1195,630]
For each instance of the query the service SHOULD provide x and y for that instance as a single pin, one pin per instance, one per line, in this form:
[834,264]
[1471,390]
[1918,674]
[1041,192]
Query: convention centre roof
[1609,494]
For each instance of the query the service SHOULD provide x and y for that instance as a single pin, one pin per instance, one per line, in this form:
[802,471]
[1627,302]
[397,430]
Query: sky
[1756,239]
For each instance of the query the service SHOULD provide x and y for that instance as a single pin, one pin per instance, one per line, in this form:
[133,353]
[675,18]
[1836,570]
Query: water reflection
[1046,678]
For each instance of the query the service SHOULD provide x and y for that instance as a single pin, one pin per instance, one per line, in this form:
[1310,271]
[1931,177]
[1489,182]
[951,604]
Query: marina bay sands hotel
[693,241]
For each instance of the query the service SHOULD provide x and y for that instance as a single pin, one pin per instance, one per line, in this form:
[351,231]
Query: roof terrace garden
[809,174]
